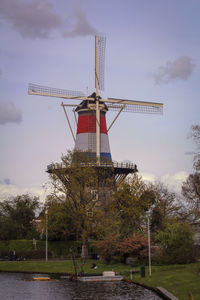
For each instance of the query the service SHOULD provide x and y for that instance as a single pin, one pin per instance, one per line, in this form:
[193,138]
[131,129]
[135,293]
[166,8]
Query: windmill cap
[85,104]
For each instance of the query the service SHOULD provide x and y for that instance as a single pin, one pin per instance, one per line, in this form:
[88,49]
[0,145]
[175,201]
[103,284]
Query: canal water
[19,286]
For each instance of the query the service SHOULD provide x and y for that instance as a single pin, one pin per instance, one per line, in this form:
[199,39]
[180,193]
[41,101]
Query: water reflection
[15,286]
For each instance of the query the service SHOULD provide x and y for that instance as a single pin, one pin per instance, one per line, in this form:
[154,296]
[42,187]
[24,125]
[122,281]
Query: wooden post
[131,274]
[190,296]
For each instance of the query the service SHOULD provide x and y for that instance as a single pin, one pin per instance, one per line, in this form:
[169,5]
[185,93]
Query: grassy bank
[59,266]
[177,279]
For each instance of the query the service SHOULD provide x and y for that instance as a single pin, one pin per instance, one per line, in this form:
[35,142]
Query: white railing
[120,165]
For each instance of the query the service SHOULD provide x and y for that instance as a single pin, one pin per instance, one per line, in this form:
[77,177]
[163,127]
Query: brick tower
[86,130]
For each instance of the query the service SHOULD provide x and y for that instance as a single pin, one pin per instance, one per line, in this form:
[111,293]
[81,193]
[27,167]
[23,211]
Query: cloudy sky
[152,54]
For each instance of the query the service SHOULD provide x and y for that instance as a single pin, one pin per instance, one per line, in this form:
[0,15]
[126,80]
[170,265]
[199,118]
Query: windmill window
[90,214]
[94,195]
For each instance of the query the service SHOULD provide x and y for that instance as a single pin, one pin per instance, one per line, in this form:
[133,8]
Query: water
[18,287]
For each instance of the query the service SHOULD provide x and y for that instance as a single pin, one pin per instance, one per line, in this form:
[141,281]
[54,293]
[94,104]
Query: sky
[152,54]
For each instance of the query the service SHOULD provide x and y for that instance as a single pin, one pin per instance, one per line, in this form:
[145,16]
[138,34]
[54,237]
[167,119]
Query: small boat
[106,276]
[41,278]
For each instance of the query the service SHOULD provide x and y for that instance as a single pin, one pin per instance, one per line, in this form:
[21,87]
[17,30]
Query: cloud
[37,19]
[11,190]
[174,182]
[149,177]
[32,19]
[81,27]
[180,69]
[9,113]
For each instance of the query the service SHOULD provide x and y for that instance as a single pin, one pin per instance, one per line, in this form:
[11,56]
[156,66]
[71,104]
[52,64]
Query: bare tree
[191,193]
[166,206]
[195,134]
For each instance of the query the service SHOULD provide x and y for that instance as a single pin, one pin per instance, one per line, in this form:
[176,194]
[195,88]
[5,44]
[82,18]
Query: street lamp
[149,242]
[46,213]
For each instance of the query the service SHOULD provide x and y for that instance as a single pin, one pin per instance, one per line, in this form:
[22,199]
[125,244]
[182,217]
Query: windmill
[92,132]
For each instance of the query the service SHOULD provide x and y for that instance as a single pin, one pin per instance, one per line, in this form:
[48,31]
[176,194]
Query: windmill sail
[36,89]
[144,109]
[100,46]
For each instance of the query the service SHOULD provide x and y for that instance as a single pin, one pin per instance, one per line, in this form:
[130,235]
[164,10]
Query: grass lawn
[177,279]
[60,267]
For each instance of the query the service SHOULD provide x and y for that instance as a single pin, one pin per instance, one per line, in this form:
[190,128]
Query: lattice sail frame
[100,61]
[136,108]
[36,89]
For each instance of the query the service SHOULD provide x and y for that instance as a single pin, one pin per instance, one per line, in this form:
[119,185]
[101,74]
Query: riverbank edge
[162,293]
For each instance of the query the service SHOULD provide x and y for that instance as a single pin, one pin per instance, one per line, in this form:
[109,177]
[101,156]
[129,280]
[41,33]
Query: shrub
[27,249]
[136,246]
[177,244]
[114,249]
[107,248]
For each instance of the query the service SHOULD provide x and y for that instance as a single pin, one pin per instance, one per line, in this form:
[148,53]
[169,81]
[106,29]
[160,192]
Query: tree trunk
[84,252]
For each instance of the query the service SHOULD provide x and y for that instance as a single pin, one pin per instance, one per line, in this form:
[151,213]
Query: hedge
[27,249]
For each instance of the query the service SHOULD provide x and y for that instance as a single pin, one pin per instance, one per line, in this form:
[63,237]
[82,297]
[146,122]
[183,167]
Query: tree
[195,134]
[191,187]
[17,217]
[165,208]
[191,192]
[130,203]
[177,243]
[78,183]
[60,222]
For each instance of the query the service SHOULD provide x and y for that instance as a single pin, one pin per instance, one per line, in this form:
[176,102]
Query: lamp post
[149,243]
[46,213]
